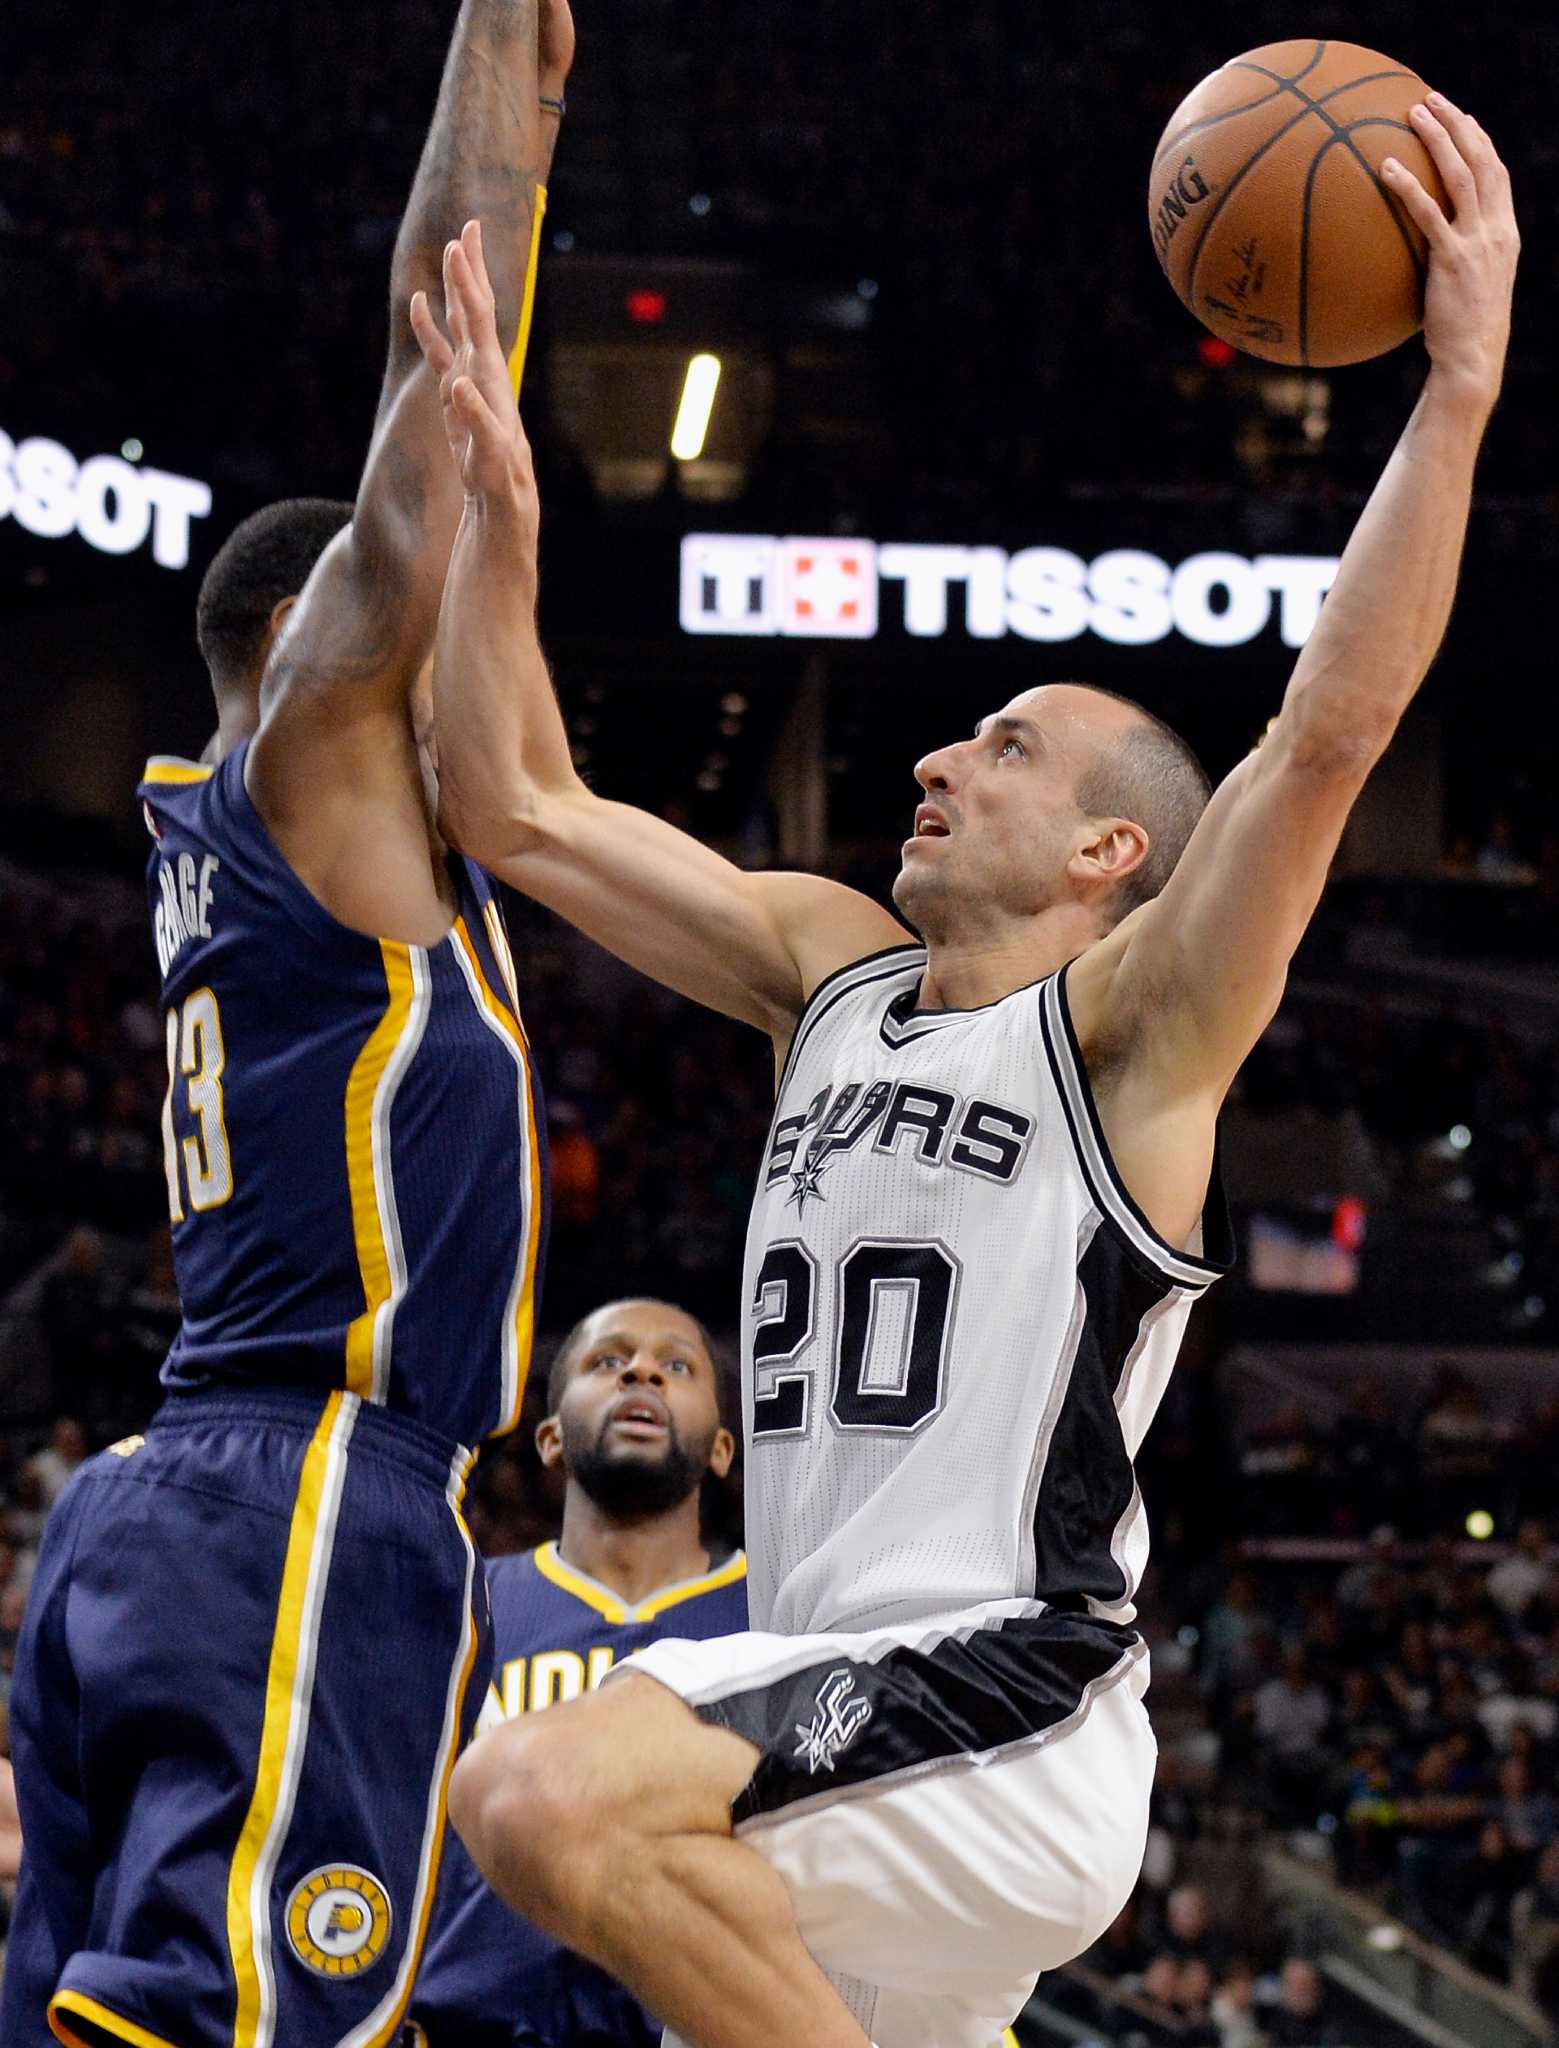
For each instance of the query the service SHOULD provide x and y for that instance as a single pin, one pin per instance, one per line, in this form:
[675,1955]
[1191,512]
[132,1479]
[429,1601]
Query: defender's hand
[481,422]
[557,46]
[1472,254]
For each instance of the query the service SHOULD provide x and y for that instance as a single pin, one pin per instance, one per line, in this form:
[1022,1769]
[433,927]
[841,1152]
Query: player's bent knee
[516,1806]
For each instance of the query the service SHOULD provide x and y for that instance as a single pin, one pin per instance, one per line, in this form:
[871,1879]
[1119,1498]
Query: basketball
[1269,213]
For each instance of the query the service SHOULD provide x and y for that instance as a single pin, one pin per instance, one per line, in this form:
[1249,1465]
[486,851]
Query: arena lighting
[646,308]
[698,402]
[828,589]
[1480,1525]
[110,504]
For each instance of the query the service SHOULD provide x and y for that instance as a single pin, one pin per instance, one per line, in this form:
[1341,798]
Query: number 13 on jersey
[202,1161]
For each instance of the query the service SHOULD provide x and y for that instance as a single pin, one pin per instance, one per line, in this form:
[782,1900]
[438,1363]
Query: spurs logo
[935,1128]
[836,1721]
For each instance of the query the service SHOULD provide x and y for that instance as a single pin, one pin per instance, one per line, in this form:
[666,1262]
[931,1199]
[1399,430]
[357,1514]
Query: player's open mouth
[930,824]
[639,1418]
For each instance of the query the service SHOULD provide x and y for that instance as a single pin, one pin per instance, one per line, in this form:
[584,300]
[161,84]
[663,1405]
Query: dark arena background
[913,233]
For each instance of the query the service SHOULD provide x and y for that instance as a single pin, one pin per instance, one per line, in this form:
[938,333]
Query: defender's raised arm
[753,946]
[334,760]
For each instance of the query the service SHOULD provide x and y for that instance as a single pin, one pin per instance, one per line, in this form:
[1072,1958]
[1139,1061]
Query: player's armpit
[1198,973]
[753,946]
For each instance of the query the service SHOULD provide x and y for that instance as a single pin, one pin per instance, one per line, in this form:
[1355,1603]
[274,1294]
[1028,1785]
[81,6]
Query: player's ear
[1113,848]
[549,1441]
[279,611]
[721,1452]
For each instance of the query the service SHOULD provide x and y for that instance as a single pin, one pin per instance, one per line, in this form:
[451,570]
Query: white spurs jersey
[959,1324]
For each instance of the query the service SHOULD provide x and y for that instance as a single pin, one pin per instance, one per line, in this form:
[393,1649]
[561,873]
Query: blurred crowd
[1395,1718]
[977,172]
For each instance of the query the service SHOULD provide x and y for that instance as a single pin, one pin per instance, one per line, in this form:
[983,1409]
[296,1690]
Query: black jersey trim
[816,1008]
[1086,1487]
[1189,1271]
[902,1026]
[848,1727]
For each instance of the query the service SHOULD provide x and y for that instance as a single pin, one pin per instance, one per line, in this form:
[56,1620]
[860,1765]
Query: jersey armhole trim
[836,985]
[164,769]
[1189,1271]
[68,2004]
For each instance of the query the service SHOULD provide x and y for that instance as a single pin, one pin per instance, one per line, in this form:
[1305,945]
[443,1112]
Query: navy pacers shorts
[255,1644]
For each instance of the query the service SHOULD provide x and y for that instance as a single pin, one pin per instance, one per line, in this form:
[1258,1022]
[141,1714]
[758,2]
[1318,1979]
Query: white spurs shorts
[956,1807]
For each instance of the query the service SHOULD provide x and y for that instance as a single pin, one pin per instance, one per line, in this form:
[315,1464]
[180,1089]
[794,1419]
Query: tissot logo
[763,585]
[829,589]
[114,505]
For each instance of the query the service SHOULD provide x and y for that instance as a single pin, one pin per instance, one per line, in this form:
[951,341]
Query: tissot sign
[760,584]
[114,505]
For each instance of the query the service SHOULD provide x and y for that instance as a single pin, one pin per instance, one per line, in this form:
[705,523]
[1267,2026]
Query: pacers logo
[338,1921]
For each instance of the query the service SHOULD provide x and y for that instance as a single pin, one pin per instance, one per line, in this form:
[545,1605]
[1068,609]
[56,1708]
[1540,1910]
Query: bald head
[1143,771]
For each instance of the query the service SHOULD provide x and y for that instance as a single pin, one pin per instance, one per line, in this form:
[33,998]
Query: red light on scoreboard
[647,308]
[1216,354]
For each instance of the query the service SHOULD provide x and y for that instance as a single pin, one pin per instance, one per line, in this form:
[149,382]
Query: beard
[628,1485]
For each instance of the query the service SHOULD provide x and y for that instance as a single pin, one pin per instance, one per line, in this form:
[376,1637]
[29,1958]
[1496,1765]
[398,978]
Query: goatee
[630,1487]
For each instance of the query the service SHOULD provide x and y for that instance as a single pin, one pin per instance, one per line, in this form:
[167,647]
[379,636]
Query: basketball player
[987,1206]
[633,1420]
[257,1636]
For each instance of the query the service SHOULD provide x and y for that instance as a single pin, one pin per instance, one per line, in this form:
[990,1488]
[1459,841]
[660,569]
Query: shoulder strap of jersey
[893,962]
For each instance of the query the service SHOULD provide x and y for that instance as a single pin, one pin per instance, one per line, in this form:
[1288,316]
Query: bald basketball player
[987,1206]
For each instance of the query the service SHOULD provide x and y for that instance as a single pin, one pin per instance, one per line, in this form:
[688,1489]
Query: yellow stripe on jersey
[1008,2040]
[368,1226]
[552,1567]
[383,2025]
[65,2005]
[525,1305]
[528,298]
[734,1568]
[282,1727]
[168,768]
[611,1608]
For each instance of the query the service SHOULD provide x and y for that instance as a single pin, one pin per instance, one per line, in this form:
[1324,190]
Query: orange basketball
[1268,211]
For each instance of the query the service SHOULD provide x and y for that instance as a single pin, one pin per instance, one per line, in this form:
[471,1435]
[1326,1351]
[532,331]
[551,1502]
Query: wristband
[551,105]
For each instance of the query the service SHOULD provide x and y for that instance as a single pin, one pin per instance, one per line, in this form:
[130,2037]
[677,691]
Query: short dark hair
[1149,775]
[567,1354]
[266,557]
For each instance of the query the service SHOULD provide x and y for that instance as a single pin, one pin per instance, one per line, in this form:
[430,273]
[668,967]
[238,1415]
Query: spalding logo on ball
[1268,211]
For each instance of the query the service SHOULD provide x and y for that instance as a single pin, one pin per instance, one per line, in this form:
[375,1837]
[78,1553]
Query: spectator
[1299,2011]
[1292,1713]
[1232,1637]
[1472,1903]
[55,1464]
[1234,2009]
[1527,1817]
[1517,1580]
[73,1313]
[1188,1932]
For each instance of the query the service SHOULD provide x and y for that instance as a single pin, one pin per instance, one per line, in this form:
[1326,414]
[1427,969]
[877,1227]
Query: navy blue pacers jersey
[488,1980]
[353,1134]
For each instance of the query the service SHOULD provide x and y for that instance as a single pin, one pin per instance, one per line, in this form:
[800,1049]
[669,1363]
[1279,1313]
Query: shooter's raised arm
[1205,962]
[753,946]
